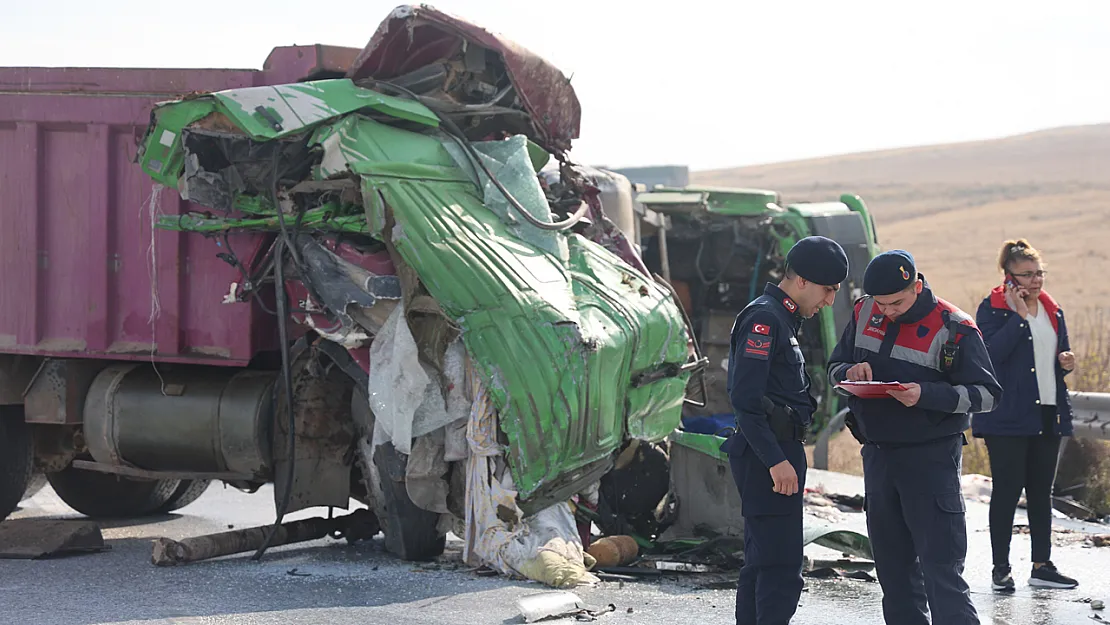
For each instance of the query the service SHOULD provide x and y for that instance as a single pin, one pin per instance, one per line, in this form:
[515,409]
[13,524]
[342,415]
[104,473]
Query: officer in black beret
[769,389]
[913,437]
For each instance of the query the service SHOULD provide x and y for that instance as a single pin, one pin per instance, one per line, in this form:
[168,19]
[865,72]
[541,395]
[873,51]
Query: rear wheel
[411,532]
[103,495]
[16,456]
[187,492]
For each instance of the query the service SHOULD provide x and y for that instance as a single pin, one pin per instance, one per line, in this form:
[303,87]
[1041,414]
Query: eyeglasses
[1031,274]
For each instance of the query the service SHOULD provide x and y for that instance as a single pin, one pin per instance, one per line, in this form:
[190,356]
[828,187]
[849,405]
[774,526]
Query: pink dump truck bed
[80,273]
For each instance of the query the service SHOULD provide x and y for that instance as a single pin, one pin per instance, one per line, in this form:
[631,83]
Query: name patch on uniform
[757,347]
[760,328]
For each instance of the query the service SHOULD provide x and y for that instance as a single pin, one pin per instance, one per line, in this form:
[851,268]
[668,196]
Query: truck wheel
[104,495]
[16,455]
[187,492]
[410,531]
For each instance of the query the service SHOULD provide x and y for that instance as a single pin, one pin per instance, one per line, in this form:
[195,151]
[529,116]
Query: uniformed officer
[769,389]
[913,439]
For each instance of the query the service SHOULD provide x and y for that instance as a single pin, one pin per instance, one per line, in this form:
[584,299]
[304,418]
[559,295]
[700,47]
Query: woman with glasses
[1025,334]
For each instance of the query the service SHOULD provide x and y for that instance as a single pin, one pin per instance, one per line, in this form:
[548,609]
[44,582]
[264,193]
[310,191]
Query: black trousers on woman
[1029,463]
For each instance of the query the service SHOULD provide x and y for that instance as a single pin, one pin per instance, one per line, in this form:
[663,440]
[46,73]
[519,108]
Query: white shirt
[1044,354]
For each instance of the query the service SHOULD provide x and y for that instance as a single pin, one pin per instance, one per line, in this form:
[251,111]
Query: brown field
[953,205]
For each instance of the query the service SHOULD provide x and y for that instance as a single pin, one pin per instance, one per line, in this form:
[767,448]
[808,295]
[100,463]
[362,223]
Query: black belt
[906,444]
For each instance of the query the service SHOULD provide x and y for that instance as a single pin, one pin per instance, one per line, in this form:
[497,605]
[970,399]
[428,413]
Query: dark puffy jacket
[909,350]
[1010,344]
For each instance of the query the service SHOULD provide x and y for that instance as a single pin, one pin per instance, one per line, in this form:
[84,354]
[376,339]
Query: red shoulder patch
[761,328]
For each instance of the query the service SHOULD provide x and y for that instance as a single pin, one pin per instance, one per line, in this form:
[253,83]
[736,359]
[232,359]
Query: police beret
[889,272]
[819,260]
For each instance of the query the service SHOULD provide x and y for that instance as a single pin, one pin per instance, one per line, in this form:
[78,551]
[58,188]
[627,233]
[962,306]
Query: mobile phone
[1010,282]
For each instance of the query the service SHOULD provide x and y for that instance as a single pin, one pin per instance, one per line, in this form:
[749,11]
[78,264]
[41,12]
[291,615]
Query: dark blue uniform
[766,362]
[912,455]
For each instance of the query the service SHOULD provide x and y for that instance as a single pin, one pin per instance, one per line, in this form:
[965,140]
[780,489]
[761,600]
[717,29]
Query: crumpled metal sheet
[557,342]
[414,36]
[557,336]
[264,113]
[586,321]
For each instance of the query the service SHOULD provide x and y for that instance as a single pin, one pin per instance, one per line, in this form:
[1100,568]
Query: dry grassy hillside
[953,205]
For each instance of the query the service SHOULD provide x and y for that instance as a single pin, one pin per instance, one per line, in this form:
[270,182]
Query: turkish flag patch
[761,328]
[757,346]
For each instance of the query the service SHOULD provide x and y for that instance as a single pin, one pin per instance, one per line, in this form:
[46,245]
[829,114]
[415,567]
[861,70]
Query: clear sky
[712,84]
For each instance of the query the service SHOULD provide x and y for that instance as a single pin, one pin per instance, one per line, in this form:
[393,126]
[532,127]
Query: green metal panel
[161,156]
[707,444]
[556,339]
[818,209]
[855,203]
[289,109]
[265,113]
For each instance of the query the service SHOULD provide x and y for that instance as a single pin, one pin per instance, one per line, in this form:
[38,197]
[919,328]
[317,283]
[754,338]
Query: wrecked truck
[719,246]
[343,275]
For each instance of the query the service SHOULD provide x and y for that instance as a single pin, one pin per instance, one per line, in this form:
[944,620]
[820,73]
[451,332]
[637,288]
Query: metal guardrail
[1091,415]
[1090,419]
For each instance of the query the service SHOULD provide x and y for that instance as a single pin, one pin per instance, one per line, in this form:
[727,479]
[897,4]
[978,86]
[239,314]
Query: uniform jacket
[909,350]
[1010,344]
[766,360]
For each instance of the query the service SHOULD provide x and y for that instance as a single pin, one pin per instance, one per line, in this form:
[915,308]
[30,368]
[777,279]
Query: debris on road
[976,487]
[549,605]
[614,551]
[843,503]
[1097,604]
[682,567]
[1072,508]
[359,525]
[39,538]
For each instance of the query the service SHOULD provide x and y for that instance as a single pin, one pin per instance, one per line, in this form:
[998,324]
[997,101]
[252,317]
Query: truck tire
[411,532]
[102,495]
[187,492]
[16,457]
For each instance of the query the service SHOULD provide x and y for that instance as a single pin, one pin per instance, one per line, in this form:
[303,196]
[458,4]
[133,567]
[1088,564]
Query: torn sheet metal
[592,321]
[264,113]
[511,164]
[837,538]
[579,350]
[359,297]
[416,36]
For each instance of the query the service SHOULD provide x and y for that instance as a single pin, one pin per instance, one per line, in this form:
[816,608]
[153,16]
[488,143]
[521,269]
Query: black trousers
[770,582]
[915,518]
[1029,463]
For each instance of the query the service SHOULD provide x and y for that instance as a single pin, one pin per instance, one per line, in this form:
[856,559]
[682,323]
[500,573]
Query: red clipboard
[871,390]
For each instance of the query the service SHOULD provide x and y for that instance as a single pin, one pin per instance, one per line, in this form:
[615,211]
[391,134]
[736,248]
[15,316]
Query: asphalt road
[330,582]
